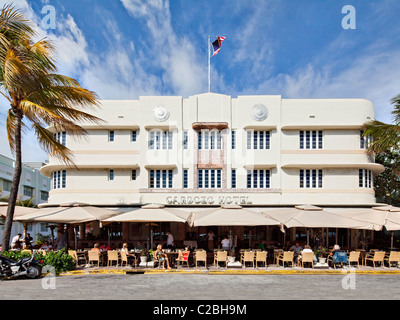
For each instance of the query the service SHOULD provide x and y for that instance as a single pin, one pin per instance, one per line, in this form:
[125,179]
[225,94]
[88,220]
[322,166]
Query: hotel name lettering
[207,200]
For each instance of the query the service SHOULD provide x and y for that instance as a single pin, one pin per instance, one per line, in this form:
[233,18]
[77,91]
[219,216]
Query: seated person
[161,257]
[307,248]
[183,255]
[139,246]
[96,248]
[338,256]
[297,248]
[130,256]
[45,246]
[105,247]
[336,248]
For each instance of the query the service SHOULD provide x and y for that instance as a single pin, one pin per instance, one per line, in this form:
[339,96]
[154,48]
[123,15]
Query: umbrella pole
[327,237]
[308,238]
[391,242]
[151,238]
[75,238]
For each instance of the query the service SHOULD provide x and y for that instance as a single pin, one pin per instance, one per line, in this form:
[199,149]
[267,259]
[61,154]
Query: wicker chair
[354,256]
[221,256]
[261,256]
[94,256]
[248,256]
[201,255]
[77,257]
[393,257]
[376,257]
[307,257]
[111,257]
[184,259]
[286,256]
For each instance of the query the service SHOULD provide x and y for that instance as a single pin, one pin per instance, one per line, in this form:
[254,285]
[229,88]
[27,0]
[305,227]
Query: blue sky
[123,49]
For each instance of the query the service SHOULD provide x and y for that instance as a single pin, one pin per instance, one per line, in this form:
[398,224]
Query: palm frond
[11,126]
[13,27]
[385,136]
[51,145]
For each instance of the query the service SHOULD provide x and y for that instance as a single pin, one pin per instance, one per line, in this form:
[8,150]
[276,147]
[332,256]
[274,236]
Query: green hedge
[59,260]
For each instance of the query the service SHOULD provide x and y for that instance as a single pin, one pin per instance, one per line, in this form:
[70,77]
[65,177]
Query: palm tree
[386,137]
[38,97]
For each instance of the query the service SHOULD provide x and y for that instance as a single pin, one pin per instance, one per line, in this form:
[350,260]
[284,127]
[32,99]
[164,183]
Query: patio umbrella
[152,213]
[18,212]
[385,216]
[72,214]
[314,217]
[230,215]
[69,215]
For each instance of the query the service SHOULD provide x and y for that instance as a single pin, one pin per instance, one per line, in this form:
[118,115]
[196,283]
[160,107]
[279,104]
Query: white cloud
[177,57]
[370,76]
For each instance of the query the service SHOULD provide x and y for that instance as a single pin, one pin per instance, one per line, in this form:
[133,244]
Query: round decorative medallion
[259,112]
[160,113]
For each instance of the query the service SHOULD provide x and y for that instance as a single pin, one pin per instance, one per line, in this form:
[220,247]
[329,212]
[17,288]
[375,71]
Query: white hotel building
[212,149]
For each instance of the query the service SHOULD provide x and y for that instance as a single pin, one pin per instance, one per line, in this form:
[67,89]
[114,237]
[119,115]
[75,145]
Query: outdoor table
[172,255]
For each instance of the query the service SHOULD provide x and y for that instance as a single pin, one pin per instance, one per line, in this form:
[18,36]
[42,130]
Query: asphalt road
[175,287]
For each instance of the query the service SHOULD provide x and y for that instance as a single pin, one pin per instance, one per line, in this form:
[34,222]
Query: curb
[229,272]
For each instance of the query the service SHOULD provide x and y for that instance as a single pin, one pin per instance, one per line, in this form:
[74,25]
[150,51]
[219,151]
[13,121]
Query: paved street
[205,287]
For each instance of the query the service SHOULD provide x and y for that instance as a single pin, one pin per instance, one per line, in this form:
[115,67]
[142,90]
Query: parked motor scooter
[28,267]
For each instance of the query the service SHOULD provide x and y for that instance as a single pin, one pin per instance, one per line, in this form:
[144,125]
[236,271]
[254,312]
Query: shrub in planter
[59,260]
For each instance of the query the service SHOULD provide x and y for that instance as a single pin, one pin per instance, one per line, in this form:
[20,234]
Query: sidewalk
[270,270]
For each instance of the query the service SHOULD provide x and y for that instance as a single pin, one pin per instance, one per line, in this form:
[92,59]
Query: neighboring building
[32,185]
[212,149]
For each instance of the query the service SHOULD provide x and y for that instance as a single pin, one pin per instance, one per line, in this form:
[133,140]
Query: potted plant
[143,256]
[321,254]
[231,256]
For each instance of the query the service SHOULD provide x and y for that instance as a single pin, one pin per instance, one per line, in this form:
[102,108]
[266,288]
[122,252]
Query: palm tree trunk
[15,184]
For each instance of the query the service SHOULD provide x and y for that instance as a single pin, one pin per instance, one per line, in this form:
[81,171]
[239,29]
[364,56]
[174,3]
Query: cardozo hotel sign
[208,200]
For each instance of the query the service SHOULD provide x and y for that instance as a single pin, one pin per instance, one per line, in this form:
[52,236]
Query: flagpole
[209,65]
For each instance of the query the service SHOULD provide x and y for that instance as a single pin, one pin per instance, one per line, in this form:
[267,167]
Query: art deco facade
[211,149]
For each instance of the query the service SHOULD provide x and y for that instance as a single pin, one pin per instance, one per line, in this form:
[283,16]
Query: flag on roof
[217,45]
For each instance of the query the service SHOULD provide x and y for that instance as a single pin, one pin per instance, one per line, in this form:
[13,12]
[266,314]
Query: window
[210,140]
[310,178]
[258,140]
[365,178]
[258,179]
[185,178]
[160,179]
[160,140]
[233,139]
[365,141]
[43,227]
[134,136]
[233,178]
[28,191]
[134,175]
[61,137]
[311,140]
[111,175]
[59,179]
[209,179]
[111,136]
[44,196]
[185,140]
[7,185]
